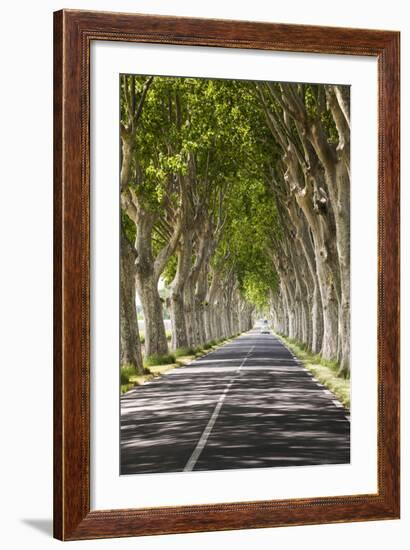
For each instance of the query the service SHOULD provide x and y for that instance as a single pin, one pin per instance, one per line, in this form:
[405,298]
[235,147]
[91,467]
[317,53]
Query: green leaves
[128,227]
[210,136]
[252,218]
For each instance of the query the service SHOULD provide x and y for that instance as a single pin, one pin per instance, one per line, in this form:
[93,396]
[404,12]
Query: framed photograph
[226,275]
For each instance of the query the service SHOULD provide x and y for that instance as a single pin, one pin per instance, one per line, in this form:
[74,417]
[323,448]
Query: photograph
[204,267]
[234,274]
[226,213]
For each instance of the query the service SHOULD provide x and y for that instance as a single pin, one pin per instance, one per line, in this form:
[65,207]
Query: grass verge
[130,377]
[324,370]
[183,352]
[153,360]
[157,365]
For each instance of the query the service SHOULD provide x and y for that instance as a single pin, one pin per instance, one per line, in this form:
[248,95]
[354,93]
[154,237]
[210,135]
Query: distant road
[249,404]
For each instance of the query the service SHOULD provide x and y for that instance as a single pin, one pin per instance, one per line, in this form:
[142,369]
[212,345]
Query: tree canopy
[236,194]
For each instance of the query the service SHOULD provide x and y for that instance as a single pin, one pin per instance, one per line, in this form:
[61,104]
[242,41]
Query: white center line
[205,434]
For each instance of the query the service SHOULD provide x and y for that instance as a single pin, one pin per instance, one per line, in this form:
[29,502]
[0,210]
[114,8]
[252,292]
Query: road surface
[249,404]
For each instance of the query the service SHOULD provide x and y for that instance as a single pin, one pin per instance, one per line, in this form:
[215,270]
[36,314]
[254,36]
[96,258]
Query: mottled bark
[320,222]
[317,173]
[337,166]
[200,297]
[129,334]
[178,318]
[189,312]
[147,286]
[155,335]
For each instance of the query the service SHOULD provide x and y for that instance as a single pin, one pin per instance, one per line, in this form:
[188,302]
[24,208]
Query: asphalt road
[249,404]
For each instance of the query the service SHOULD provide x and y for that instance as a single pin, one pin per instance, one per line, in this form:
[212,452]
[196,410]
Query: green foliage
[213,133]
[330,126]
[326,371]
[316,108]
[153,360]
[126,372]
[183,352]
[244,247]
[131,378]
[128,227]
[170,269]
[311,102]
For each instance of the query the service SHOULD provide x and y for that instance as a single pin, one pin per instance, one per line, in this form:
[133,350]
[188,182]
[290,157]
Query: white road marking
[208,429]
[337,403]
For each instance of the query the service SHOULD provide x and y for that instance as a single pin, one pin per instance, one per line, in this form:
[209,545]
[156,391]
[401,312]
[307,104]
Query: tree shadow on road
[296,424]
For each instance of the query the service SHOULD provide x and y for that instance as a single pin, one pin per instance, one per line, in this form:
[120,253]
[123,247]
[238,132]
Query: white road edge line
[208,429]
[326,391]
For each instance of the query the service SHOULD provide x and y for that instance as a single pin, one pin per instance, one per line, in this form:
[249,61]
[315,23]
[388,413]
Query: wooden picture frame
[74,32]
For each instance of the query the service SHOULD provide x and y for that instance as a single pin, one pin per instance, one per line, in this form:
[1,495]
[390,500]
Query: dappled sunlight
[273,414]
[235,202]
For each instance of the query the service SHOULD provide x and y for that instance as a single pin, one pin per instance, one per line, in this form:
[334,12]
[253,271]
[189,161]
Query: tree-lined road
[249,404]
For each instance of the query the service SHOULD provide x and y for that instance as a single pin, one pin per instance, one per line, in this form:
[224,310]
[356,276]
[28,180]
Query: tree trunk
[129,334]
[184,254]
[210,324]
[127,153]
[326,268]
[189,313]
[155,335]
[179,332]
[337,167]
[200,296]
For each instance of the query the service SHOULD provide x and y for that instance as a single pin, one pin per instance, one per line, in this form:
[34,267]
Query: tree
[148,195]
[311,127]
[238,193]
[130,340]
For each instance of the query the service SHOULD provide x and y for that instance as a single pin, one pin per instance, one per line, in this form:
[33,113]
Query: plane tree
[310,124]
[150,191]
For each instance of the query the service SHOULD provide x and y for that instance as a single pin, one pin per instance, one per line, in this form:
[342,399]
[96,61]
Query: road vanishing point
[248,404]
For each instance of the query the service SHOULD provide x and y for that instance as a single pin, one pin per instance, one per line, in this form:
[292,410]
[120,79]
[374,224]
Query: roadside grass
[130,377]
[182,352]
[126,372]
[158,370]
[324,370]
[158,365]
[153,360]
